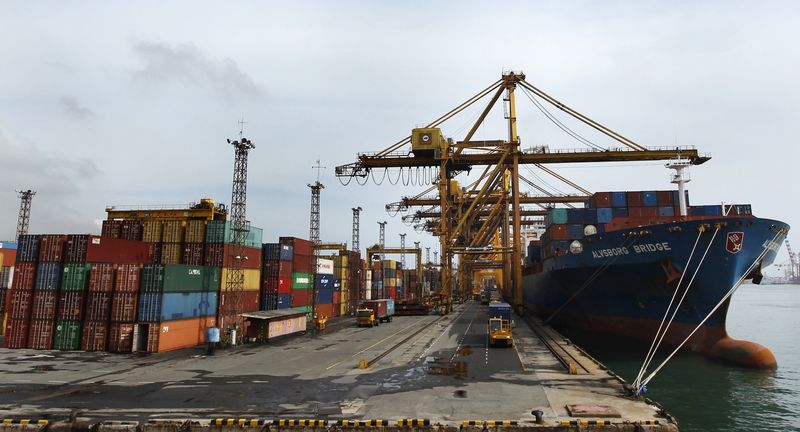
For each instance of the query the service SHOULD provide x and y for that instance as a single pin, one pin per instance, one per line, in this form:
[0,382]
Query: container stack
[270,274]
[8,256]
[325,289]
[177,303]
[347,269]
[302,277]
[220,254]
[172,245]
[122,229]
[390,279]
[368,287]
[123,284]
[19,298]
[376,287]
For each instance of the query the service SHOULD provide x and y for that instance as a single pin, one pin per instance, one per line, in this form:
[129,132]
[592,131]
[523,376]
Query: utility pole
[231,313]
[356,226]
[420,275]
[316,187]
[23,221]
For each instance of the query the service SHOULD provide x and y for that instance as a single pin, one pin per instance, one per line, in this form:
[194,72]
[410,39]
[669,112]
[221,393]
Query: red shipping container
[16,336]
[601,199]
[301,298]
[634,199]
[635,212]
[251,258]
[9,257]
[51,248]
[123,307]
[337,297]
[24,276]
[111,229]
[98,306]
[285,270]
[557,232]
[120,337]
[285,286]
[664,198]
[94,336]
[101,278]
[302,263]
[45,305]
[90,248]
[131,230]
[40,335]
[324,310]
[18,304]
[269,286]
[299,246]
[250,300]
[649,211]
[128,278]
[192,254]
[214,255]
[70,306]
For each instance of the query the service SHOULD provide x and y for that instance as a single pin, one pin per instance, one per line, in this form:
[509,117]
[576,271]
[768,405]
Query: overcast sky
[131,102]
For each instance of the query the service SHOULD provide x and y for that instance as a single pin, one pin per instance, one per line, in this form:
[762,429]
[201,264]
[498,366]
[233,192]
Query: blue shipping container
[389,307]
[177,306]
[284,301]
[697,210]
[8,245]
[604,215]
[28,248]
[619,212]
[619,199]
[149,307]
[287,253]
[666,211]
[500,310]
[48,276]
[649,199]
[590,216]
[713,210]
[325,282]
[575,215]
[325,296]
[270,251]
[575,232]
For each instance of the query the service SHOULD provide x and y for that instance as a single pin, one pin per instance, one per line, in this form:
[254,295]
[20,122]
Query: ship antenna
[680,178]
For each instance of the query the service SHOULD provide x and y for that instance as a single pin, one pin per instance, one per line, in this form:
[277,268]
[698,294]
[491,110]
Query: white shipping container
[324,266]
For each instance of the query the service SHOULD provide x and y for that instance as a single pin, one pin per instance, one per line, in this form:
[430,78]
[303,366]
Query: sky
[131,103]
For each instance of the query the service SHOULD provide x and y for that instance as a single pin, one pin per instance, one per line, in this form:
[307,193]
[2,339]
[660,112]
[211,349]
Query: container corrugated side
[177,306]
[76,277]
[68,335]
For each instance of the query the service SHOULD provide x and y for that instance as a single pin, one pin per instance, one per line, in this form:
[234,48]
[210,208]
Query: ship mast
[680,178]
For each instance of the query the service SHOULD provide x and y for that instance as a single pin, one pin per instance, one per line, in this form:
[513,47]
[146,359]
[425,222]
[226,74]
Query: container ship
[607,272]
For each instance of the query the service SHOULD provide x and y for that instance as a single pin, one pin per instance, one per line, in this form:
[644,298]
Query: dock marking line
[371,346]
[444,330]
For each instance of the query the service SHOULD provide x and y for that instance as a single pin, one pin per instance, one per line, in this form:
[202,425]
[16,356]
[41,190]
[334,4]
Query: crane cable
[558,123]
[651,352]
[730,292]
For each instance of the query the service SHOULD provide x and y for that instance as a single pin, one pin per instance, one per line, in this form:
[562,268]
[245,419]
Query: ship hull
[618,288]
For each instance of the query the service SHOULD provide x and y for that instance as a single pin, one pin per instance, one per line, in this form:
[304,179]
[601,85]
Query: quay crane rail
[497,189]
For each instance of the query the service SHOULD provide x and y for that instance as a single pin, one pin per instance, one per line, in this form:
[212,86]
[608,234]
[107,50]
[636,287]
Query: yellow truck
[499,327]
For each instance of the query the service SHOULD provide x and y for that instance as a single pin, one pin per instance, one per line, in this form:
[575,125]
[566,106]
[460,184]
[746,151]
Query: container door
[140,338]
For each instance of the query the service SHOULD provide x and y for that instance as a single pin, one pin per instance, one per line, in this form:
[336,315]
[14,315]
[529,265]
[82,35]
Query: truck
[372,312]
[499,325]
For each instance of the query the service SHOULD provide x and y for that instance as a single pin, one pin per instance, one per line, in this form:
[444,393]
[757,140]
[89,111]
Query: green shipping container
[215,232]
[68,336]
[557,216]
[309,314]
[75,277]
[221,232]
[302,280]
[190,278]
[152,278]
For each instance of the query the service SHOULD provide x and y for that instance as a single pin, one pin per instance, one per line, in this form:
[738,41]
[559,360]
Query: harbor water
[708,396]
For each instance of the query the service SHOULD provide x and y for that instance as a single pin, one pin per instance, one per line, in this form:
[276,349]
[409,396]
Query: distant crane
[794,266]
[24,218]
[316,187]
[231,311]
[382,238]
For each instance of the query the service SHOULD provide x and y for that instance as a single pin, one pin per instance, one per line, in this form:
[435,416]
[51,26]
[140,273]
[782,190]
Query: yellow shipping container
[343,309]
[151,231]
[173,231]
[252,279]
[171,253]
[196,231]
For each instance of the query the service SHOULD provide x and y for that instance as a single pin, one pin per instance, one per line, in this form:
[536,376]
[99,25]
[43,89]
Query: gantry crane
[497,189]
[381,251]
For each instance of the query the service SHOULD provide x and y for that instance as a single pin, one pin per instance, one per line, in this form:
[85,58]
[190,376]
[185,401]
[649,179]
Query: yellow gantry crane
[468,218]
[205,210]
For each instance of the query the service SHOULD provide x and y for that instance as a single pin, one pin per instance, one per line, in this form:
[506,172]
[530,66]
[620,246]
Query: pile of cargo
[49,302]
[611,211]
[287,280]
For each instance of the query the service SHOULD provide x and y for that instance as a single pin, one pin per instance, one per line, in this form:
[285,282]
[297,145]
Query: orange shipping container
[8,257]
[173,335]
[325,310]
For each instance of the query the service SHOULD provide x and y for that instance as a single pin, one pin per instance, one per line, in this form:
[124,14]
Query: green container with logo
[302,281]
[75,277]
[68,335]
[190,278]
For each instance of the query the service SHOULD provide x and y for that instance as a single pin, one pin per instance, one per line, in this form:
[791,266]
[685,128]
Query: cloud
[188,65]
[72,108]
[60,204]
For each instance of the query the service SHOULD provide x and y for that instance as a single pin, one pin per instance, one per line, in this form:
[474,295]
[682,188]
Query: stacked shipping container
[8,256]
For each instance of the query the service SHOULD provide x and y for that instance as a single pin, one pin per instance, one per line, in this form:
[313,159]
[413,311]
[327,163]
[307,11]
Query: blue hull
[620,285]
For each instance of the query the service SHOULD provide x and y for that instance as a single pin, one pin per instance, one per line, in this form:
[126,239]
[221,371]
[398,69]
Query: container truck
[499,325]
[372,312]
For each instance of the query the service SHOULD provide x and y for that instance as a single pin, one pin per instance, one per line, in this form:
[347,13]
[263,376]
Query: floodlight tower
[23,221]
[316,187]
[231,311]
[382,238]
[356,226]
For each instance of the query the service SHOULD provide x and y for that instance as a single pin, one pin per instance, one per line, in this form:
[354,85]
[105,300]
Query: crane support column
[516,257]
